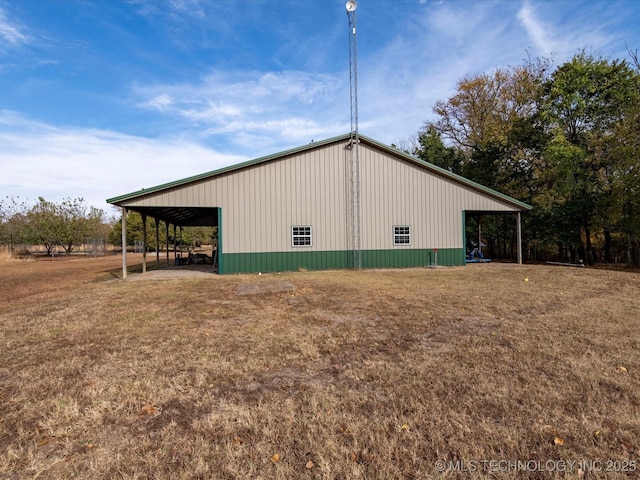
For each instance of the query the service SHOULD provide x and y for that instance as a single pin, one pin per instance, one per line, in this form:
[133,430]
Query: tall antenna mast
[354,140]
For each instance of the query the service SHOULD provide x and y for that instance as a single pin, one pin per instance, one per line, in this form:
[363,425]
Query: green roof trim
[394,151]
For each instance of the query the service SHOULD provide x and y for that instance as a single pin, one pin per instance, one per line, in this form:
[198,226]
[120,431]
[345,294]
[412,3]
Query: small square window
[301,236]
[402,235]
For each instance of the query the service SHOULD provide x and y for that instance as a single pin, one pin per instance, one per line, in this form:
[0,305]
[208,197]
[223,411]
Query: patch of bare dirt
[172,274]
[266,286]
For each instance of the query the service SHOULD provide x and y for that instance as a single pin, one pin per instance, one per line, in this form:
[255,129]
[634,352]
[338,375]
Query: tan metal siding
[396,192]
[261,203]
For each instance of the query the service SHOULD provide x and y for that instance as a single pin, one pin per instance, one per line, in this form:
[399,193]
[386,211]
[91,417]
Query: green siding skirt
[327,260]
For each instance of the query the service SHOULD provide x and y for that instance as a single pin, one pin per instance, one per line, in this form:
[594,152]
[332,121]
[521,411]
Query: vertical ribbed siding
[314,260]
[397,192]
[263,201]
[285,261]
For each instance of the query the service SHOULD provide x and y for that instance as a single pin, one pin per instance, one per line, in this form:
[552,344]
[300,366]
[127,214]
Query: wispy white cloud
[276,109]
[189,23]
[188,7]
[538,33]
[288,128]
[398,85]
[422,62]
[176,9]
[10,33]
[562,35]
[263,91]
[39,159]
[279,106]
[434,50]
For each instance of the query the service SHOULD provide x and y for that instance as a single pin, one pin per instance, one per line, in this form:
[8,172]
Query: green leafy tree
[487,131]
[623,204]
[13,222]
[79,222]
[135,231]
[45,225]
[565,141]
[584,106]
[65,225]
[432,149]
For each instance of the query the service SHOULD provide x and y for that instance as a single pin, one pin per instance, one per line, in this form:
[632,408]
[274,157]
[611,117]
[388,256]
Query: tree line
[65,225]
[565,140]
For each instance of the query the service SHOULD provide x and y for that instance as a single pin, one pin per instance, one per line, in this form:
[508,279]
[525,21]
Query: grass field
[341,374]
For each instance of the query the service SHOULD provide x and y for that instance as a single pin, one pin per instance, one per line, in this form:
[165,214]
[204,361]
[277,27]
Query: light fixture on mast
[351,7]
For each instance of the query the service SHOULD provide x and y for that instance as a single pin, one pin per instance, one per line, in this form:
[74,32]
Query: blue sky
[103,97]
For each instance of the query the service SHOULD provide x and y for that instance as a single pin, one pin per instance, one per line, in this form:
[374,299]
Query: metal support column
[519,237]
[157,243]
[166,224]
[124,243]
[144,243]
[175,243]
[480,234]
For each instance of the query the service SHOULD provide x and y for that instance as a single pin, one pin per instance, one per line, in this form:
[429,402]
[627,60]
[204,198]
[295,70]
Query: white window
[402,235]
[301,236]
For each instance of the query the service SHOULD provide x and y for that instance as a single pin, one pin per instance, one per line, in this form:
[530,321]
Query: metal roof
[194,216]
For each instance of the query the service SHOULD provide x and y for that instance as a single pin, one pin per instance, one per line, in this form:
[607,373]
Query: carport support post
[124,243]
[175,244]
[157,243]
[166,224]
[519,237]
[144,243]
[480,233]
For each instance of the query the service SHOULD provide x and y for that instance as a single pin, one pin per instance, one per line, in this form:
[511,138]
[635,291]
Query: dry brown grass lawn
[341,374]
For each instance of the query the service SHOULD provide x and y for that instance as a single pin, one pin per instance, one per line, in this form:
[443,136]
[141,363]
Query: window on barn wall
[301,236]
[402,235]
